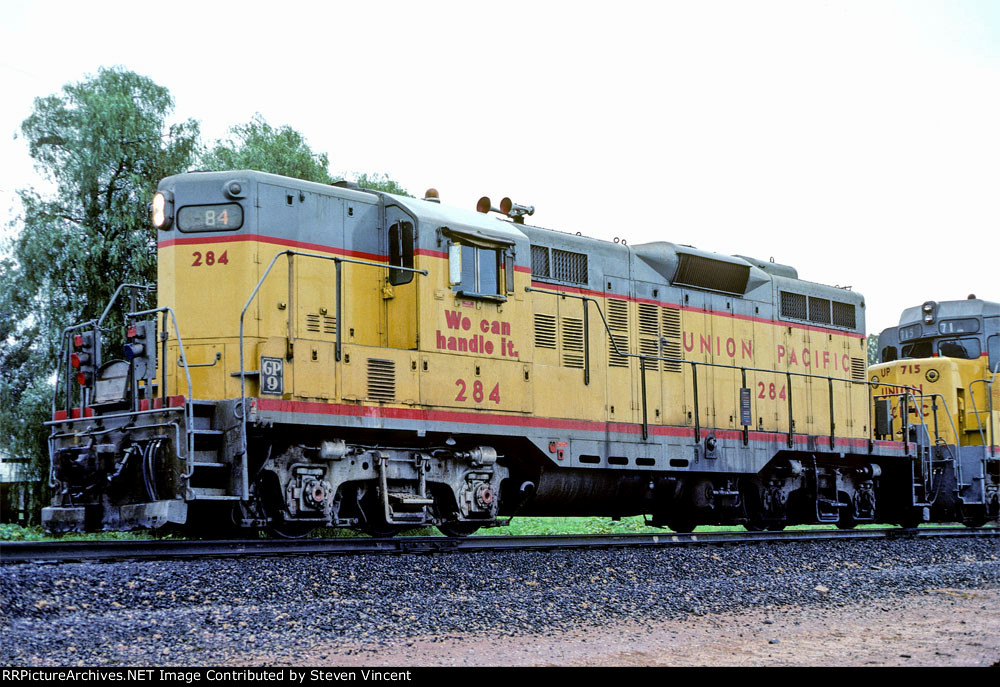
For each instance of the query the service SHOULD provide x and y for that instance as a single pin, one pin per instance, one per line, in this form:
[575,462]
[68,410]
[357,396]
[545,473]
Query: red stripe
[430,253]
[196,240]
[483,418]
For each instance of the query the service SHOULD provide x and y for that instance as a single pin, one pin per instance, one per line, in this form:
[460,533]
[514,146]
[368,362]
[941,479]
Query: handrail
[989,409]
[337,260]
[694,363]
[188,407]
[90,324]
[114,297]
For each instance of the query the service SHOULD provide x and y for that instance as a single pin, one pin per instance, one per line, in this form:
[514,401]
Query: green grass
[10,532]
[518,527]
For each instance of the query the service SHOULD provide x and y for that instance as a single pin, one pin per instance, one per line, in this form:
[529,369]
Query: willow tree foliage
[281,150]
[103,143]
[259,146]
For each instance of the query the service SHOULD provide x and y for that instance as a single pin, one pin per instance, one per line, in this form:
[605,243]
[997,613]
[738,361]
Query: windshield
[967,348]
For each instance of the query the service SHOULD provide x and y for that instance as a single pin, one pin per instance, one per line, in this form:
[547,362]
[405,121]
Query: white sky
[857,141]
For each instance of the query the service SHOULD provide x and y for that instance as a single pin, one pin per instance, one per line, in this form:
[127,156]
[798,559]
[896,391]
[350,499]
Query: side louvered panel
[618,314]
[321,323]
[618,320]
[671,323]
[572,342]
[381,380]
[614,359]
[545,331]
[649,323]
[858,368]
[672,349]
[650,347]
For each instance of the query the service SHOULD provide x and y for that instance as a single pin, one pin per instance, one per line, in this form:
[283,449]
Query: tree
[381,182]
[259,146]
[104,143]
[873,349]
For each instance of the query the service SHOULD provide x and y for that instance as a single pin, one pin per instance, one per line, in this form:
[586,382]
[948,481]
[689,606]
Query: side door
[400,288]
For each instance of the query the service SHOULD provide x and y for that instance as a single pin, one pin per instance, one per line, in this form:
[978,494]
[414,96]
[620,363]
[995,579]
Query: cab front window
[965,348]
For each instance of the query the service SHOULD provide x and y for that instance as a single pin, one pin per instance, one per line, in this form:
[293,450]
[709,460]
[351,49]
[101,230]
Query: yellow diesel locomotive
[937,374]
[332,356]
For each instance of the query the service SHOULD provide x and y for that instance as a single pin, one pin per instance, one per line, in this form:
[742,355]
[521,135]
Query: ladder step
[208,494]
[411,499]
[199,464]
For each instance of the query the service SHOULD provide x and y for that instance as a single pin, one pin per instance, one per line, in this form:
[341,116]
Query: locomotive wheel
[846,521]
[682,525]
[381,530]
[775,526]
[290,530]
[974,516]
[457,529]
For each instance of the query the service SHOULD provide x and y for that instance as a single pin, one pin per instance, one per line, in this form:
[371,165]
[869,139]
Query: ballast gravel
[295,609]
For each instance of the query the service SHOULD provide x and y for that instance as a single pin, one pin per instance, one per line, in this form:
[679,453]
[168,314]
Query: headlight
[161,210]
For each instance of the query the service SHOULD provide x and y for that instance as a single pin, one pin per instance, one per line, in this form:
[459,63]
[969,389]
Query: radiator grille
[819,310]
[540,262]
[843,315]
[572,342]
[381,380]
[793,305]
[545,331]
[567,266]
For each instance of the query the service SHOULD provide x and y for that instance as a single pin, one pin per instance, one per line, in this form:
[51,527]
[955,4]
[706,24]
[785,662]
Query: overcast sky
[857,141]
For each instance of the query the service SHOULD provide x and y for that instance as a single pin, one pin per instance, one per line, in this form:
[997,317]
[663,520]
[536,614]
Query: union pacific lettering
[705,343]
[475,343]
[813,358]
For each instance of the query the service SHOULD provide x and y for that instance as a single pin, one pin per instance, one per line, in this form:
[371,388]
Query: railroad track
[60,552]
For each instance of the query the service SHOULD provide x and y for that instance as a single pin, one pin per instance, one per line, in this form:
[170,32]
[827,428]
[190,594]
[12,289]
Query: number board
[272,376]
[227,217]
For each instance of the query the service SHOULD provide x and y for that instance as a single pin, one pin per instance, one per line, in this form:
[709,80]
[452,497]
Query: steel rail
[60,552]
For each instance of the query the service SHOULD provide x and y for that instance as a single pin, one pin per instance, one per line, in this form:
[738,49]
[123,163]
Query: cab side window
[401,252]
[993,347]
[480,271]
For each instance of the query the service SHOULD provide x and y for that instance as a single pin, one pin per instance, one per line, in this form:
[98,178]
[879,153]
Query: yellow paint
[452,353]
[963,403]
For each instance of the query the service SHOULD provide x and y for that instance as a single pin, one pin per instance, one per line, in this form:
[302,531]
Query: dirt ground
[941,627]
